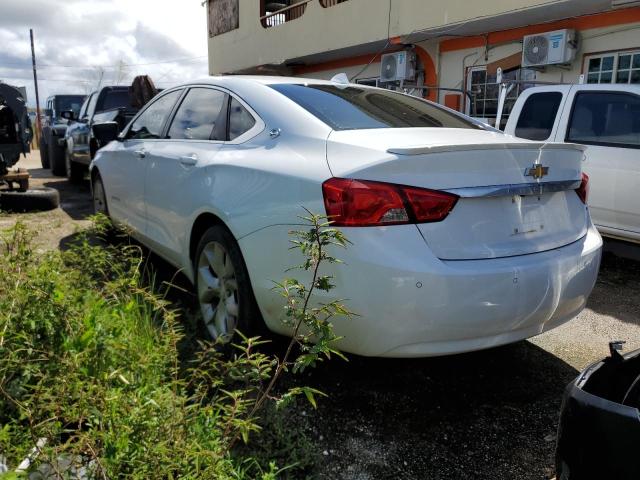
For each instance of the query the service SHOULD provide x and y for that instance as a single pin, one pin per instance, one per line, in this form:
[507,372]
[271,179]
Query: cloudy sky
[80,41]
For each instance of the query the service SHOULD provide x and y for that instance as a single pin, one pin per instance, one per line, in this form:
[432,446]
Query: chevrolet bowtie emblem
[537,171]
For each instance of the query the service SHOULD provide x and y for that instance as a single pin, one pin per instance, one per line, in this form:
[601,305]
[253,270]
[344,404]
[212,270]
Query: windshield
[353,107]
[69,102]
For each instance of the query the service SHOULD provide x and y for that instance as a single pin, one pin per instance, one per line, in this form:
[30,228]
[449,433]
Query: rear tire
[99,196]
[56,158]
[44,153]
[223,288]
[30,201]
[75,172]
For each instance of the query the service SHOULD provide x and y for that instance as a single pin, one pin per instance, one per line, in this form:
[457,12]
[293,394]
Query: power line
[45,79]
[50,65]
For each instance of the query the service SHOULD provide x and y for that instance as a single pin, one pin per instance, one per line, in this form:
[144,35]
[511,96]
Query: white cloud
[80,41]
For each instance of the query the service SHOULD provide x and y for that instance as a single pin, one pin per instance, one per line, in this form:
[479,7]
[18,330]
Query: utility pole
[35,82]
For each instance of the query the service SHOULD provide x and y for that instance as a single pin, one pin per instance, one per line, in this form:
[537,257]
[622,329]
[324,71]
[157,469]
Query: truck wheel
[44,153]
[56,158]
[75,171]
[29,201]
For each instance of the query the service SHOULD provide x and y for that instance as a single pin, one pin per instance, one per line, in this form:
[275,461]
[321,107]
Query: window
[605,118]
[277,13]
[91,109]
[199,115]
[352,108]
[240,120]
[151,121]
[370,82]
[485,91]
[330,3]
[617,67]
[83,109]
[223,16]
[115,99]
[538,115]
[67,102]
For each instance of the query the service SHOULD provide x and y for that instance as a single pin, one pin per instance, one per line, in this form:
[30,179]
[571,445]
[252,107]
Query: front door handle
[189,160]
[140,153]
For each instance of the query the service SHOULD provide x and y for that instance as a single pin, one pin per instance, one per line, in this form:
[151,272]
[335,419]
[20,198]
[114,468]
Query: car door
[181,164]
[127,168]
[608,123]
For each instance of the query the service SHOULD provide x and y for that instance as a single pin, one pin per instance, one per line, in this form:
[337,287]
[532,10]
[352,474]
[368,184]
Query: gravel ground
[490,414]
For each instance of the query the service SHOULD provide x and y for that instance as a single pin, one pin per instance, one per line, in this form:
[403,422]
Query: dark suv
[110,104]
[54,127]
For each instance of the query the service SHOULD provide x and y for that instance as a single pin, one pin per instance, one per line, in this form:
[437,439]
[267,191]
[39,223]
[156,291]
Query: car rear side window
[353,107]
[240,120]
[201,116]
[538,115]
[609,119]
[150,123]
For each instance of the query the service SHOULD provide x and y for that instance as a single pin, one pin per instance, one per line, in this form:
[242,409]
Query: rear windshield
[354,108]
[69,102]
[115,99]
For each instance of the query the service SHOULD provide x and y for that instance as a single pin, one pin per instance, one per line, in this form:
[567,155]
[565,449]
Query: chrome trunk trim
[534,188]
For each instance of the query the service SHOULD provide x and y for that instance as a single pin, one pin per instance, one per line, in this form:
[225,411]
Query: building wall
[452,64]
[355,22]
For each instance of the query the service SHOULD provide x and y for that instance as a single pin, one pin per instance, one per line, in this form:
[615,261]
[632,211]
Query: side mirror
[105,132]
[68,115]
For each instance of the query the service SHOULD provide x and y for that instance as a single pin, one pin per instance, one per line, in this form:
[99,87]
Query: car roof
[263,79]
[230,80]
[565,87]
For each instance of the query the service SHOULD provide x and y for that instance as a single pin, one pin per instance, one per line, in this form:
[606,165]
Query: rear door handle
[140,153]
[189,160]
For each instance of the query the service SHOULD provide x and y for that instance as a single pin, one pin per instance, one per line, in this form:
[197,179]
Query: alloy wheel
[218,291]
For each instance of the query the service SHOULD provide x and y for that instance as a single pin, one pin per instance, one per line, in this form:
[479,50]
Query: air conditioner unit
[398,66]
[550,48]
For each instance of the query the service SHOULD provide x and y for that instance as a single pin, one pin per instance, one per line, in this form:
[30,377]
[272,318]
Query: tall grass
[90,372]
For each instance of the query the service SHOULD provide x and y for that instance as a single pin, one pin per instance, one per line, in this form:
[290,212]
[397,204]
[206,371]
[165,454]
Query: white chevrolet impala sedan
[463,238]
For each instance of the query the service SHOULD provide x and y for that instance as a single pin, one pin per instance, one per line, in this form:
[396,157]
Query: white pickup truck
[606,119]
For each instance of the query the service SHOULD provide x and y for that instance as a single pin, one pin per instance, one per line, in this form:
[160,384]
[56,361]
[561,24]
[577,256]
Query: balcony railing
[331,3]
[276,13]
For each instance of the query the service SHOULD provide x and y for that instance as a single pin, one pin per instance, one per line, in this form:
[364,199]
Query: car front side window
[201,116]
[150,123]
[83,109]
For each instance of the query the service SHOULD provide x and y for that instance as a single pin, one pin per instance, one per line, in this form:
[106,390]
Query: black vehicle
[111,105]
[15,127]
[54,127]
[108,104]
[599,433]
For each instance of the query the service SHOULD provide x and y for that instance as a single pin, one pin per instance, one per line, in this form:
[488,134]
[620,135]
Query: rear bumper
[412,304]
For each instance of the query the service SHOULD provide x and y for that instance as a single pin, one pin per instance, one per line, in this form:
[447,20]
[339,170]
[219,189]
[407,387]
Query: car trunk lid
[516,197]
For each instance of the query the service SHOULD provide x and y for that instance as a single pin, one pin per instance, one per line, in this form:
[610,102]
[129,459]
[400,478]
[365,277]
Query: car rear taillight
[364,203]
[583,189]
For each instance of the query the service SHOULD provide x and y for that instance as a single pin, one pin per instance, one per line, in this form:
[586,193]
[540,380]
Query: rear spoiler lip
[533,188]
[426,149]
